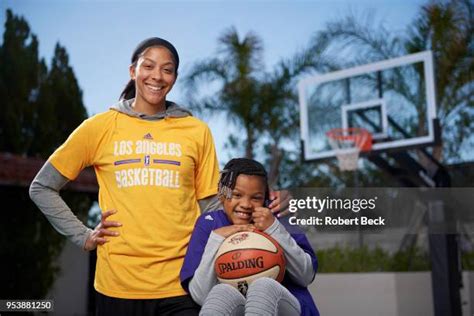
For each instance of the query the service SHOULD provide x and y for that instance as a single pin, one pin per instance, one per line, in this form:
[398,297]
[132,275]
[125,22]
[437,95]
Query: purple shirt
[203,229]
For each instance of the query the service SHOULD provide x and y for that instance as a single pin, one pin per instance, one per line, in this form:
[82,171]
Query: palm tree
[278,105]
[237,69]
[446,28]
[264,104]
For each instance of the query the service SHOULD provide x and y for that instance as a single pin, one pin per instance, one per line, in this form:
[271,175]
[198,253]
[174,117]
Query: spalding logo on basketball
[246,256]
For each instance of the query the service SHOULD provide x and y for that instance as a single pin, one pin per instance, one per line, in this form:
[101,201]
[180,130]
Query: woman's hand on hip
[100,233]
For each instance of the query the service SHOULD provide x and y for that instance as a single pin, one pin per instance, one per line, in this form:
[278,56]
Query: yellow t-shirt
[152,173]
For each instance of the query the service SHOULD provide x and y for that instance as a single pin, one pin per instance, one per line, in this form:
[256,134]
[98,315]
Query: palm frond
[243,56]
[371,40]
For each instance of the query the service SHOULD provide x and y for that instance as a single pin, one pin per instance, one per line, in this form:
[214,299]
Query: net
[347,144]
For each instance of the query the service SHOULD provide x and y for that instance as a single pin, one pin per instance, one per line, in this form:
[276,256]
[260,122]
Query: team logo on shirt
[155,172]
[147,160]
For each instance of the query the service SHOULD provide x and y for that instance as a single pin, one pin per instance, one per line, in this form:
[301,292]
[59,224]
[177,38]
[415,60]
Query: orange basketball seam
[240,249]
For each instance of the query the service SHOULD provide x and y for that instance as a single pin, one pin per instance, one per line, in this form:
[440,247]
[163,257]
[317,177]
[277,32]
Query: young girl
[243,190]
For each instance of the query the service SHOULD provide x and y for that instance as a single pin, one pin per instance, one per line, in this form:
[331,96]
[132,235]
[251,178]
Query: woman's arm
[210,203]
[44,191]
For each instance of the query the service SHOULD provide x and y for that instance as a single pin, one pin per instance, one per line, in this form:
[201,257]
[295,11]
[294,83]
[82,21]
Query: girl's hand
[226,231]
[98,236]
[262,218]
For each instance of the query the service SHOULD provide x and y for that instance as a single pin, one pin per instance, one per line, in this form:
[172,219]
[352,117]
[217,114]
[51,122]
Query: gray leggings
[265,296]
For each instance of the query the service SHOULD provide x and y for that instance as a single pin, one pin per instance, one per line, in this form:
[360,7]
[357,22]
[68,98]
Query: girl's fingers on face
[261,217]
[264,212]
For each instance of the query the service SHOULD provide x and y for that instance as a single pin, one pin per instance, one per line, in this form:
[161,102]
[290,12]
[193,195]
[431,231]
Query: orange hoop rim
[361,137]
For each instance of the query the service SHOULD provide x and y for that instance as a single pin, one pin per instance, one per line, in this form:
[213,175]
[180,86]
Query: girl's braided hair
[236,167]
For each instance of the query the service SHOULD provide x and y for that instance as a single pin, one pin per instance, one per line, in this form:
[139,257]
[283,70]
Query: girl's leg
[223,300]
[266,296]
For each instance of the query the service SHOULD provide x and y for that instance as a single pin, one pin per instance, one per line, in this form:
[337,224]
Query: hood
[172,110]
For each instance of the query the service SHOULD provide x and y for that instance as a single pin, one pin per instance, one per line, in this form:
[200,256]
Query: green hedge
[467,260]
[348,259]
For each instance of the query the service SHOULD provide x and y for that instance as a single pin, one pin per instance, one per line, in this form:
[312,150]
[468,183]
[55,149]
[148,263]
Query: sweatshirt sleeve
[300,264]
[205,275]
[44,191]
[203,245]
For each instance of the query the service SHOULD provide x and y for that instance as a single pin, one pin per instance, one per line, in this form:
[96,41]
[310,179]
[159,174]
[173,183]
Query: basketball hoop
[347,144]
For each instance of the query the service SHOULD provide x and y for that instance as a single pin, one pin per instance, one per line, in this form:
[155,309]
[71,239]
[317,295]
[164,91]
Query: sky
[100,35]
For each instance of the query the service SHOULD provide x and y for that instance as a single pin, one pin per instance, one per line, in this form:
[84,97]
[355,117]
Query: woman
[153,163]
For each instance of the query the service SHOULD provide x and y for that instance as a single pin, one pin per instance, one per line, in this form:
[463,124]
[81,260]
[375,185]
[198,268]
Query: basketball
[246,256]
